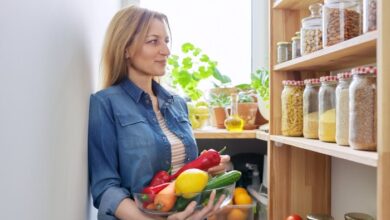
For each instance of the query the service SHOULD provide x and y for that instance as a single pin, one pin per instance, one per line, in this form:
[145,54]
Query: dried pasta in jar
[292,108]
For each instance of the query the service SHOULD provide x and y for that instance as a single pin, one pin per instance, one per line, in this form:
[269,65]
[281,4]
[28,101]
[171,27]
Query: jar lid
[345,75]
[282,43]
[298,33]
[328,78]
[364,70]
[312,81]
[319,217]
[296,38]
[357,216]
[315,12]
[292,83]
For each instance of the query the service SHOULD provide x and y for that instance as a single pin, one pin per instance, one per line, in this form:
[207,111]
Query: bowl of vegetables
[168,198]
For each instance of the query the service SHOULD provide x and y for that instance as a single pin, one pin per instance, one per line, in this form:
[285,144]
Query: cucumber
[225,179]
[181,203]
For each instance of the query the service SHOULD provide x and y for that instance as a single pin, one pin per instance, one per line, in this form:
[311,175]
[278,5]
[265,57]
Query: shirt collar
[136,93]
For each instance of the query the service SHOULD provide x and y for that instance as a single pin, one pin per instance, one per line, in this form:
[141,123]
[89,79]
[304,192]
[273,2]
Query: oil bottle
[233,122]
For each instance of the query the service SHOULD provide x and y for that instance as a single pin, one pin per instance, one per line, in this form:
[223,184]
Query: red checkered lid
[328,78]
[312,81]
[364,70]
[345,75]
[292,83]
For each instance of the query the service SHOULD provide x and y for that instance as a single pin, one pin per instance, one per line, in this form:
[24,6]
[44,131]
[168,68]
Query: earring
[126,55]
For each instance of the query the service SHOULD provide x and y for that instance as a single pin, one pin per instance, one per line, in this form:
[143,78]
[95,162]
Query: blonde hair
[127,29]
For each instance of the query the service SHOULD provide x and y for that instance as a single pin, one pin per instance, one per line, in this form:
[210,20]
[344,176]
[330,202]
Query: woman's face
[151,58]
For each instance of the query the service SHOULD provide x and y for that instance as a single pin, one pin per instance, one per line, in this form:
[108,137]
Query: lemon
[191,182]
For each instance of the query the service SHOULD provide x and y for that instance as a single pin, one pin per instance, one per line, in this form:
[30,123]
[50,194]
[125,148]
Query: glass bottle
[233,122]
[362,108]
[369,15]
[342,108]
[327,109]
[342,20]
[283,52]
[311,31]
[310,108]
[292,116]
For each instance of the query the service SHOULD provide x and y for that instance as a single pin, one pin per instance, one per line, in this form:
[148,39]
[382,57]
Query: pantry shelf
[215,133]
[261,135]
[356,51]
[294,4]
[331,149]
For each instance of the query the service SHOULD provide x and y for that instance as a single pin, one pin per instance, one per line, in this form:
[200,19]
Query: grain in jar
[369,15]
[342,21]
[292,106]
[327,109]
[362,109]
[311,31]
[310,108]
[342,108]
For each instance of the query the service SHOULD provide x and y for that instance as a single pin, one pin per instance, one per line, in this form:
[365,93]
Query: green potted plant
[194,66]
[218,103]
[260,82]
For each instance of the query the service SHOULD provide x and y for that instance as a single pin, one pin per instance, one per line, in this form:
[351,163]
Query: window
[221,28]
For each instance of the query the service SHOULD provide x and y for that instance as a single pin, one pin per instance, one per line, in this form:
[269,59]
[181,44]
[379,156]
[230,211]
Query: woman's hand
[190,214]
[221,168]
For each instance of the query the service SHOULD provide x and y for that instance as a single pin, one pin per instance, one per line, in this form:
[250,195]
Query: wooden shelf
[261,135]
[331,149]
[294,4]
[215,133]
[356,51]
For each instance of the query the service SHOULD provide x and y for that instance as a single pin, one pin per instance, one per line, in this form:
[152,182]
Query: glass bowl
[145,202]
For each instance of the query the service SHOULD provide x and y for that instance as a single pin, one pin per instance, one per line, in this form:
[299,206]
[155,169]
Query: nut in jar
[342,21]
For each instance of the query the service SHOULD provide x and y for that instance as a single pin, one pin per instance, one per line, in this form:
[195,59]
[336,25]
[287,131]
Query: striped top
[177,147]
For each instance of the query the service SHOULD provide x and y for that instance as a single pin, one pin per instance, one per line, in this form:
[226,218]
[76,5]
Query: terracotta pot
[219,116]
[248,112]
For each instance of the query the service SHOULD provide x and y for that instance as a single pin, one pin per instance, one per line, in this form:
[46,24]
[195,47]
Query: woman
[136,127]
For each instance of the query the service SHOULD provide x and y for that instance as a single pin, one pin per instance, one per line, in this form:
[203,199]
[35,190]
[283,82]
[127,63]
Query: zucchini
[225,179]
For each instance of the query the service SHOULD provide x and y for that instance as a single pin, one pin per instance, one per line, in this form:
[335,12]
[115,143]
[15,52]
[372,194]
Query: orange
[242,199]
[239,190]
[236,214]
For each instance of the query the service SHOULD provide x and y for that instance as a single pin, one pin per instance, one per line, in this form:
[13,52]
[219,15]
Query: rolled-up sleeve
[103,166]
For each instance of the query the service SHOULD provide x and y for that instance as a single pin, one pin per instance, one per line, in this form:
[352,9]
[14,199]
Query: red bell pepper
[150,192]
[204,162]
[160,178]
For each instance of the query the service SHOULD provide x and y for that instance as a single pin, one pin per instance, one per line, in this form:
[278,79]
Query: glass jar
[296,47]
[369,15]
[342,21]
[362,109]
[319,217]
[310,108]
[342,108]
[292,117]
[357,216]
[283,52]
[327,109]
[311,31]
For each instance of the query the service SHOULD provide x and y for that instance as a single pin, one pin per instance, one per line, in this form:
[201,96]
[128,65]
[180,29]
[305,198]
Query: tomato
[294,217]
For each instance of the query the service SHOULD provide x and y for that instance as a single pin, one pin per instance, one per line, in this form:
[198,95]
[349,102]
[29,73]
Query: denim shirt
[126,145]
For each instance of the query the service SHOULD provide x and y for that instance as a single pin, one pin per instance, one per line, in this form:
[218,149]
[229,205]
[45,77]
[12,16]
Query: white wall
[353,188]
[260,32]
[49,55]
